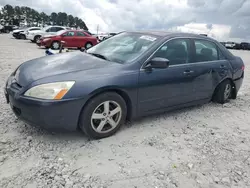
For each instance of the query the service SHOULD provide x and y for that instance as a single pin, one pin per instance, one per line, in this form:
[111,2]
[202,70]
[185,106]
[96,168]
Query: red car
[72,38]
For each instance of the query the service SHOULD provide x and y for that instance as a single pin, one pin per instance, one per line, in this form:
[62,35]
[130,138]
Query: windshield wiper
[100,56]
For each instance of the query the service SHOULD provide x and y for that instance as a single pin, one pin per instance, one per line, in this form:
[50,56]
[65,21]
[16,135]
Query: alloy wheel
[56,45]
[227,91]
[106,117]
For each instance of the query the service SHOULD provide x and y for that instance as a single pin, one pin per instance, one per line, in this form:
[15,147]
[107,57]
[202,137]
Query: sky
[221,19]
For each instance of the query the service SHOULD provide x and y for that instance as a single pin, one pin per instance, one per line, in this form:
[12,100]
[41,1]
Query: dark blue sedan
[129,75]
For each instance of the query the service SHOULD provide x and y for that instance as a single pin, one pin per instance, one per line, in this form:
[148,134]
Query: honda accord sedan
[129,75]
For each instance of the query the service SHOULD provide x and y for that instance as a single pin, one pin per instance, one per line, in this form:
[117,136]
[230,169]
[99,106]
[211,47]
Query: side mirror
[158,63]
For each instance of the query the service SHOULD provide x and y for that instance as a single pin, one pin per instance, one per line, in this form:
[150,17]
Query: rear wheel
[223,92]
[88,45]
[103,115]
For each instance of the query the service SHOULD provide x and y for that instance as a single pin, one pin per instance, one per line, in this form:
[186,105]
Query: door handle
[188,72]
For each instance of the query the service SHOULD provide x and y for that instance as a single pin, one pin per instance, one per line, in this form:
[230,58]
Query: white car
[21,33]
[35,36]
[230,45]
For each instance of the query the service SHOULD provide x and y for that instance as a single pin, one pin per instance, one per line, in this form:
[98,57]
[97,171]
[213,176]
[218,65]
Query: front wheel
[37,38]
[103,115]
[223,92]
[55,45]
[22,37]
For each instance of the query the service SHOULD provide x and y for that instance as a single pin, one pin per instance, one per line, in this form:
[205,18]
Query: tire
[88,45]
[223,92]
[55,45]
[89,125]
[36,38]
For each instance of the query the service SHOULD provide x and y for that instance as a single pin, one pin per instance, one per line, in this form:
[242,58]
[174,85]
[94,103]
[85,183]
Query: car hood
[53,65]
[18,30]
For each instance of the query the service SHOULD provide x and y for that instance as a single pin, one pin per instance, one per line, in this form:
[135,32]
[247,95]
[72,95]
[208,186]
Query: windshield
[123,48]
[45,28]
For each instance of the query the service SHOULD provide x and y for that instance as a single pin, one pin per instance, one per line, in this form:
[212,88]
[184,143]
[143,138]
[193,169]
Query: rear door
[209,68]
[80,39]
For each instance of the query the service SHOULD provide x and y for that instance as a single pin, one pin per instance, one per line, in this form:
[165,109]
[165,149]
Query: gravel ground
[206,146]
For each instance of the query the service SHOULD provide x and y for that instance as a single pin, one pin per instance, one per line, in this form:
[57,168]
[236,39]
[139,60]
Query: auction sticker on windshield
[147,37]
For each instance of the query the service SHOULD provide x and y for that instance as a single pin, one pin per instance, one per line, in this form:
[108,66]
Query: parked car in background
[223,43]
[21,34]
[34,36]
[245,46]
[102,36]
[8,28]
[72,39]
[24,33]
[130,75]
[16,32]
[232,45]
[109,35]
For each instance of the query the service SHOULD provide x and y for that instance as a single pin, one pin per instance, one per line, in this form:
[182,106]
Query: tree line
[15,15]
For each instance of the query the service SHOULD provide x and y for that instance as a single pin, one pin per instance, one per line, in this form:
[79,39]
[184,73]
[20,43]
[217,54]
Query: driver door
[172,86]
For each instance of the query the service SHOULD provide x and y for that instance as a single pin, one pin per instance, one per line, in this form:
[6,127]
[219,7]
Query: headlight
[53,91]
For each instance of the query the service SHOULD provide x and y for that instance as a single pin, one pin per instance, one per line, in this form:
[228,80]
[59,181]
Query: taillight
[243,67]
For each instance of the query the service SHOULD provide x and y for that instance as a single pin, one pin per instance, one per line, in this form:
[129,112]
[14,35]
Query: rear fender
[238,67]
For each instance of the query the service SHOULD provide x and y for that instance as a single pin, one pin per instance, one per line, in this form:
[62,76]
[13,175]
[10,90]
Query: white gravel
[206,146]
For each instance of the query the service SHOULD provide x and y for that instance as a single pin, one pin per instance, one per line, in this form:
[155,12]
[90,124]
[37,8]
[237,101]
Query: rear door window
[53,29]
[205,51]
[58,29]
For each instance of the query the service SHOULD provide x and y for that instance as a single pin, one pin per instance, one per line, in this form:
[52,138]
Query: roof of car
[171,34]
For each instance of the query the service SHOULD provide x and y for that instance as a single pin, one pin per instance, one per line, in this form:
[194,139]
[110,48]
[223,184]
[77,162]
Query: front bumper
[44,43]
[50,115]
[15,35]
